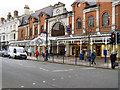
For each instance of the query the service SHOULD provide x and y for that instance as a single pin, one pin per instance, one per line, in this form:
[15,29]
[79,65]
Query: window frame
[36,29]
[22,33]
[91,21]
[79,24]
[105,19]
[31,32]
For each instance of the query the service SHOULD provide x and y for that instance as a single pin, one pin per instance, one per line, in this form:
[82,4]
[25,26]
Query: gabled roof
[48,10]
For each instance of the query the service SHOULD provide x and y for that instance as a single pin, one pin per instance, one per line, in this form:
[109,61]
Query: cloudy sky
[11,5]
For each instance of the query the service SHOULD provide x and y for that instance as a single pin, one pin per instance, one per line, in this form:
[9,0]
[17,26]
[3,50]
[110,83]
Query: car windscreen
[20,50]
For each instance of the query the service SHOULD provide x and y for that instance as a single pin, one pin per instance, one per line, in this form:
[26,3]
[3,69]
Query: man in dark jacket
[93,56]
[113,59]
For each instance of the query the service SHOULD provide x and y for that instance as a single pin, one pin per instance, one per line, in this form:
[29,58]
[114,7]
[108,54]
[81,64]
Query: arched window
[22,33]
[79,23]
[58,29]
[36,31]
[42,28]
[91,21]
[31,32]
[105,19]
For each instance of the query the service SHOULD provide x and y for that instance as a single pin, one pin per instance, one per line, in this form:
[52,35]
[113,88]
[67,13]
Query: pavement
[100,63]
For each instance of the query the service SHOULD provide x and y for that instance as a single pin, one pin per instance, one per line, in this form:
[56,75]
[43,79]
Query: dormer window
[78,5]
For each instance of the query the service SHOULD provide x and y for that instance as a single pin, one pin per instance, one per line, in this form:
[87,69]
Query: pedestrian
[113,59]
[36,54]
[93,56]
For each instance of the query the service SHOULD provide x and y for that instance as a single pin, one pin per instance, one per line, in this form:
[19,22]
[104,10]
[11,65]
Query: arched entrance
[58,29]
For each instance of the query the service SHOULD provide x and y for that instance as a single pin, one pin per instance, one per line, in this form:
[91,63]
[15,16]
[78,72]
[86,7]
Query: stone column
[80,46]
[91,44]
[97,19]
[84,22]
[67,49]
[113,17]
[73,23]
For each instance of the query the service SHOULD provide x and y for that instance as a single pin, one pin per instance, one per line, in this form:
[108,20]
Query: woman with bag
[36,54]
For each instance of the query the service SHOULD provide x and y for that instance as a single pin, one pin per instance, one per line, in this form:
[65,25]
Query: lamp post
[46,46]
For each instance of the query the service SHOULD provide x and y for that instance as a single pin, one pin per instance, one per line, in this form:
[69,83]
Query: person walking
[36,54]
[93,56]
[113,59]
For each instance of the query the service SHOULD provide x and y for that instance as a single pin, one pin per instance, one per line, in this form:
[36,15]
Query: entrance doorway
[98,50]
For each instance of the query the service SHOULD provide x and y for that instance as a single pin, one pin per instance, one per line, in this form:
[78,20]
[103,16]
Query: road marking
[43,81]
[34,83]
[62,70]
[22,86]
[43,69]
[53,79]
[89,68]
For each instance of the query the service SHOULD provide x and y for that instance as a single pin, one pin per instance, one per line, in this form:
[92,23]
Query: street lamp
[46,46]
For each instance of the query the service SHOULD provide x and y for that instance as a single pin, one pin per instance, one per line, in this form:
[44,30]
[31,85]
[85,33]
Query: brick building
[90,23]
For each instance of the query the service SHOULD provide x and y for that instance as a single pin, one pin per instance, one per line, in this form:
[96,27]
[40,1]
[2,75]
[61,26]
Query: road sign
[39,41]
[68,29]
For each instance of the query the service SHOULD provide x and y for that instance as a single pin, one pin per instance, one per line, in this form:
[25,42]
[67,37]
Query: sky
[11,5]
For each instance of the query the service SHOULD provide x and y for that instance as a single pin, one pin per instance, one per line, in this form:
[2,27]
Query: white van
[17,52]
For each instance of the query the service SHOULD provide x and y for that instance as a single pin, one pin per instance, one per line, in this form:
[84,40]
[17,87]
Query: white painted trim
[72,23]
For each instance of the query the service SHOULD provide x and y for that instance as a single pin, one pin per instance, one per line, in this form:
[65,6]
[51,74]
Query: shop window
[73,50]
[105,19]
[91,21]
[79,23]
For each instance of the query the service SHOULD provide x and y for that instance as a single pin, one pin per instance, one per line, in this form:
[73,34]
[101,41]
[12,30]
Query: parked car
[17,52]
[4,53]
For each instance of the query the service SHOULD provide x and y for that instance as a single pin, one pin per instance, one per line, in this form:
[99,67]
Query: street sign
[39,41]
[68,29]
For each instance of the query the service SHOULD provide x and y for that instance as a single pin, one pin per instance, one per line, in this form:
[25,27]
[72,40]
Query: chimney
[9,16]
[26,10]
[2,19]
[15,13]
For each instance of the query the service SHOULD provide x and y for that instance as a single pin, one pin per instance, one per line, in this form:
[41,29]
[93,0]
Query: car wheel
[15,57]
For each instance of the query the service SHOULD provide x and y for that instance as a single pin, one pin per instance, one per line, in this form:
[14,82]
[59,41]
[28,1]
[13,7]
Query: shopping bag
[35,55]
